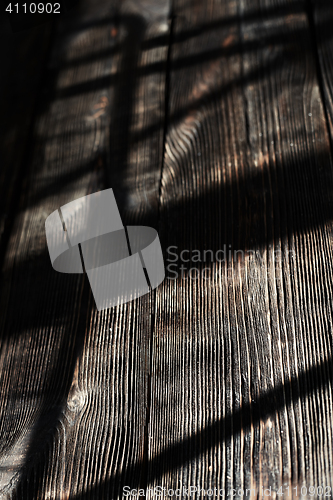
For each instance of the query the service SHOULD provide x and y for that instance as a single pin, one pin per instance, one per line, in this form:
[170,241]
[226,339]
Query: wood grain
[45,316]
[75,383]
[218,379]
[242,365]
[321,14]
[69,411]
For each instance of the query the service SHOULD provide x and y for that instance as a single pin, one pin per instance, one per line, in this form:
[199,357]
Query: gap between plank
[315,47]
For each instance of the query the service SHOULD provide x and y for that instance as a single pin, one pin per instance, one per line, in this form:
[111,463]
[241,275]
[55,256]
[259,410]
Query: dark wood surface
[212,122]
[22,57]
[242,394]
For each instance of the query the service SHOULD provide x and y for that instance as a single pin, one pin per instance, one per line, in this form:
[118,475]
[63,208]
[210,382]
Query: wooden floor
[212,120]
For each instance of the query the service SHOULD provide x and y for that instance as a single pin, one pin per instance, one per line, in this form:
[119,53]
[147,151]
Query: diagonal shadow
[56,337]
[255,187]
[270,211]
[295,389]
[162,40]
[135,25]
[125,83]
[56,321]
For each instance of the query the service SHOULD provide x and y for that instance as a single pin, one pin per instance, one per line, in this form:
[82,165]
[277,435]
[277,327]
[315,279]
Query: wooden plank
[66,370]
[134,172]
[242,364]
[75,383]
[45,316]
[321,14]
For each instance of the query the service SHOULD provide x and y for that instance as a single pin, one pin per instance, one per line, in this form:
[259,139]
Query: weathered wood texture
[321,12]
[242,366]
[44,315]
[212,382]
[69,376]
[74,382]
